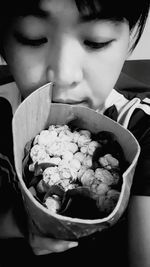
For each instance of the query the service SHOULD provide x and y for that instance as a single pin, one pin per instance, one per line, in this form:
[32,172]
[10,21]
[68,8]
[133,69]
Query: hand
[40,245]
[43,245]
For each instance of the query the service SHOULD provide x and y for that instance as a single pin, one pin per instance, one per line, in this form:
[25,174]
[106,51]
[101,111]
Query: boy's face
[82,57]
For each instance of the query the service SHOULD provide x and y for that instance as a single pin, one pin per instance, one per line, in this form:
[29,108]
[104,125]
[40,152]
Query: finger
[50,244]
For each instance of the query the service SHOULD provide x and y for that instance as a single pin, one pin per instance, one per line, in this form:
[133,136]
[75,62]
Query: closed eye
[30,42]
[96,45]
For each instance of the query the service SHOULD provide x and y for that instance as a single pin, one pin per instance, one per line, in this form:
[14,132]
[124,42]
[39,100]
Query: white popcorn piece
[108,161]
[81,171]
[67,155]
[75,164]
[51,175]
[113,162]
[46,138]
[104,162]
[65,137]
[83,141]
[65,173]
[56,149]
[113,194]
[53,204]
[88,177]
[32,167]
[88,161]
[101,188]
[84,149]
[72,147]
[74,174]
[76,136]
[66,184]
[79,156]
[55,160]
[58,128]
[51,128]
[104,175]
[38,153]
[63,164]
[92,146]
[86,133]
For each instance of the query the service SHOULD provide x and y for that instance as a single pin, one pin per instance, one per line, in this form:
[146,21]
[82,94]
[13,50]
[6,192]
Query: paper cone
[35,114]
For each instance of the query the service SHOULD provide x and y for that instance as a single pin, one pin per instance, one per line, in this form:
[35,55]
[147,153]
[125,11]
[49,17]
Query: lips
[71,102]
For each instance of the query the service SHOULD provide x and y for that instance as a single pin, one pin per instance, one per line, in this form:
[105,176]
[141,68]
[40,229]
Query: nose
[65,63]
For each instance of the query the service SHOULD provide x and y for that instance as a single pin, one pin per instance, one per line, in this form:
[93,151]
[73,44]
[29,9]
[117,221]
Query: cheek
[103,70]
[28,69]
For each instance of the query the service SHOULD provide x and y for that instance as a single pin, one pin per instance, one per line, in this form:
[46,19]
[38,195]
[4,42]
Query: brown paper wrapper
[36,113]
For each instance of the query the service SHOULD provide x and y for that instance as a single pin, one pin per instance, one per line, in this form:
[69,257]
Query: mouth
[71,102]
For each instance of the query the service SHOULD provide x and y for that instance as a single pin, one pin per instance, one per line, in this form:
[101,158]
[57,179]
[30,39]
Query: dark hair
[135,12]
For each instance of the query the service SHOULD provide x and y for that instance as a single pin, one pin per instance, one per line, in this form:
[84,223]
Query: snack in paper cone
[103,189]
[74,172]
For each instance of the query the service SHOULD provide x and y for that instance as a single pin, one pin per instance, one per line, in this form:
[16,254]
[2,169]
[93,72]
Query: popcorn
[52,203]
[104,176]
[75,164]
[86,133]
[88,177]
[108,161]
[110,201]
[76,136]
[80,156]
[38,153]
[92,146]
[84,149]
[67,155]
[88,161]
[100,188]
[83,140]
[51,175]
[81,171]
[71,163]
[46,138]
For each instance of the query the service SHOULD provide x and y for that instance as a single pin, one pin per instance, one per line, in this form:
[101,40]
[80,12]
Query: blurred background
[142,51]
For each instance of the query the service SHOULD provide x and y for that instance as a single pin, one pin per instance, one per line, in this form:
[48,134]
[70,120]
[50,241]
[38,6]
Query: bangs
[95,9]
[134,12]
[98,9]
[115,10]
[15,8]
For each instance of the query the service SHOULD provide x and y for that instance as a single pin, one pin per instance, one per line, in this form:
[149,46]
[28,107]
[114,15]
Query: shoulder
[139,123]
[7,170]
[10,92]
[135,115]
[8,88]
[140,126]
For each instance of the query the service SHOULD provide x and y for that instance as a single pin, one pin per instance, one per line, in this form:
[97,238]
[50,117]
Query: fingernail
[73,244]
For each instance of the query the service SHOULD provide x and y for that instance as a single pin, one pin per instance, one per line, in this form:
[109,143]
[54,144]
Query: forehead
[56,6]
[59,8]
[83,10]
